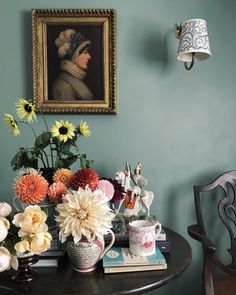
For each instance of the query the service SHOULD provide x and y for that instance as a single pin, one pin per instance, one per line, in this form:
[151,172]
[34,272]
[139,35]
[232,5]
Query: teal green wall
[179,124]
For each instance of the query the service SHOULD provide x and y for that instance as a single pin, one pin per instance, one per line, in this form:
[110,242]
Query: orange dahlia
[84,177]
[31,188]
[63,175]
[55,191]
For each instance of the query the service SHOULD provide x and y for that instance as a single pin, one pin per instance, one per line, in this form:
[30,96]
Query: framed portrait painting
[74,60]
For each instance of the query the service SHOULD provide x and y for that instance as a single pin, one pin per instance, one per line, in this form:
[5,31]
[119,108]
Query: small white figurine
[137,199]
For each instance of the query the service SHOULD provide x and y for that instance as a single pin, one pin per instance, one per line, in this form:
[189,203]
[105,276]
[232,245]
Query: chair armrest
[195,232]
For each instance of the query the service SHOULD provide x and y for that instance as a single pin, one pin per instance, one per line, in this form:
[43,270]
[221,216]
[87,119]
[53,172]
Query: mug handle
[159,230]
[110,244]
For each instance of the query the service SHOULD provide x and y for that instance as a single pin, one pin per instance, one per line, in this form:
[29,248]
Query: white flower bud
[7,260]
[5,209]
[41,242]
[22,246]
[4,226]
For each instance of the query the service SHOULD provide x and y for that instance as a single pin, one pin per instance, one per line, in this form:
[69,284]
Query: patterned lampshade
[193,40]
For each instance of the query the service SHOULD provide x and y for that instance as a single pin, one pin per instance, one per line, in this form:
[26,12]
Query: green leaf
[65,147]
[25,157]
[55,140]
[31,155]
[45,210]
[42,141]
[66,162]
[84,162]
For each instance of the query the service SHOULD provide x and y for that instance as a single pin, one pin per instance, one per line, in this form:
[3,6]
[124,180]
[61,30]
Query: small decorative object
[136,197]
[142,237]
[55,147]
[23,237]
[84,217]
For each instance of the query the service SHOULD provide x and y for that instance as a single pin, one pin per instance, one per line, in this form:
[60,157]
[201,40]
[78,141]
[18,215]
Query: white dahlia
[84,213]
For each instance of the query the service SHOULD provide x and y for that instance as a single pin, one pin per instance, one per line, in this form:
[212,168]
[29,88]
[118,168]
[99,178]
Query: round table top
[66,281]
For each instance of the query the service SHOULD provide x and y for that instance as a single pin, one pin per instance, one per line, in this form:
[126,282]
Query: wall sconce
[193,41]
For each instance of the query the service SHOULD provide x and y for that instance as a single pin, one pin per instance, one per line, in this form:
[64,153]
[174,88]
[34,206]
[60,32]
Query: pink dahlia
[31,188]
[55,191]
[119,193]
[84,177]
[107,187]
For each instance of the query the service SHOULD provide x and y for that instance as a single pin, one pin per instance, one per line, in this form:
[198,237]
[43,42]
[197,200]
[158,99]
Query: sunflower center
[28,108]
[63,130]
[13,124]
[82,214]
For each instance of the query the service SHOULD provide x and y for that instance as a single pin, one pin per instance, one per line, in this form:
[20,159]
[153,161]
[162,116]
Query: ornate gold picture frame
[74,60]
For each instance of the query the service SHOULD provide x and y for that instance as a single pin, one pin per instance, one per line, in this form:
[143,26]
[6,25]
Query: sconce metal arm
[189,67]
[177,30]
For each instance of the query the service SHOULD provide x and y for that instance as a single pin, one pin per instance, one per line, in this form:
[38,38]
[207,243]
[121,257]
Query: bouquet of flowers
[24,233]
[31,187]
[53,147]
[85,210]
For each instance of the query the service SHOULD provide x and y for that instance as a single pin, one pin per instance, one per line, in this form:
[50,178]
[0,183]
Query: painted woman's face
[82,59]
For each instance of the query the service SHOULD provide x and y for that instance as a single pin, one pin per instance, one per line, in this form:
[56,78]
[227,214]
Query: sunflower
[83,213]
[63,130]
[12,124]
[84,129]
[25,110]
[63,175]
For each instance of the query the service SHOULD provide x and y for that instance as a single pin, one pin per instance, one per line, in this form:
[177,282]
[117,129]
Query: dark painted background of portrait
[94,77]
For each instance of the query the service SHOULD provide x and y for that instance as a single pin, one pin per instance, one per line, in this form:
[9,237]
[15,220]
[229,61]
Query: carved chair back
[226,210]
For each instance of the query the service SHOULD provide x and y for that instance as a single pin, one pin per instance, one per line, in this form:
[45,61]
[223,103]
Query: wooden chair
[218,278]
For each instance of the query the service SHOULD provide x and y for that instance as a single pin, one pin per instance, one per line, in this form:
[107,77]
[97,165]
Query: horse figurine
[137,199]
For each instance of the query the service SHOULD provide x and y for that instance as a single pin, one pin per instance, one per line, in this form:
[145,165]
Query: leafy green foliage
[84,162]
[25,157]
[42,141]
[45,145]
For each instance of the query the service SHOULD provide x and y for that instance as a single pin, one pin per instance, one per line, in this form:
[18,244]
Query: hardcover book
[122,257]
[118,269]
[164,246]
[46,262]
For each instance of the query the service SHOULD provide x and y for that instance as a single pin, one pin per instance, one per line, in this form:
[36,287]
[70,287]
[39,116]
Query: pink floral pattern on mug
[142,237]
[147,244]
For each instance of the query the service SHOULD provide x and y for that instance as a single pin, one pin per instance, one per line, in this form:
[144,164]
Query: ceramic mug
[142,237]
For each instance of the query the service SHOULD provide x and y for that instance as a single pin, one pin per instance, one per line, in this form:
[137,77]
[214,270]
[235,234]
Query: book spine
[164,246]
[134,268]
[123,264]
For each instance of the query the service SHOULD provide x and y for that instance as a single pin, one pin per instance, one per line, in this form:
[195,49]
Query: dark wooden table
[65,281]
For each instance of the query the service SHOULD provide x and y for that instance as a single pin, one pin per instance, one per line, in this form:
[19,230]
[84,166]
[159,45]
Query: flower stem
[46,156]
[50,144]
[29,126]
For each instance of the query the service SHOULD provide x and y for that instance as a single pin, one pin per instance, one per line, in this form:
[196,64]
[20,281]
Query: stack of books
[121,260]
